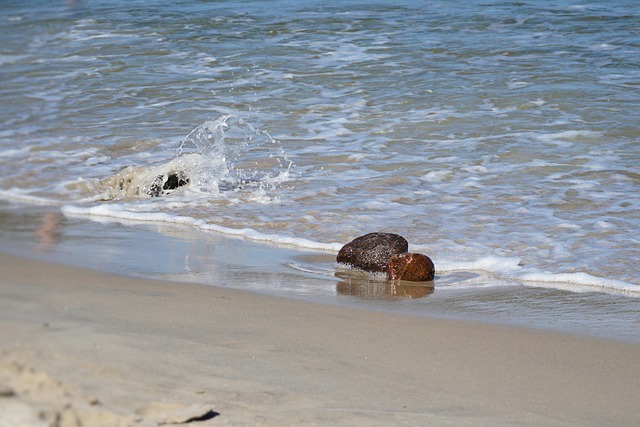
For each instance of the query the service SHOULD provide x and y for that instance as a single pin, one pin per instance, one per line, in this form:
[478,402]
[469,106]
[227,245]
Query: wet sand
[79,347]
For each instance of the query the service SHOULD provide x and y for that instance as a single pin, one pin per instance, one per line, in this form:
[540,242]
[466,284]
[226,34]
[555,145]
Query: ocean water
[500,138]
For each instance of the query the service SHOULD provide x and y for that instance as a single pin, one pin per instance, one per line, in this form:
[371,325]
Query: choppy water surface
[493,135]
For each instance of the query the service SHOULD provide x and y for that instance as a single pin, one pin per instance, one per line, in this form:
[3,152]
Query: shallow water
[497,137]
[185,254]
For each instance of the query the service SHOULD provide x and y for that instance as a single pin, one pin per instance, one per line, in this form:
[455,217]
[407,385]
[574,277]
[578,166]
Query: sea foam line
[119,212]
[17,195]
[509,269]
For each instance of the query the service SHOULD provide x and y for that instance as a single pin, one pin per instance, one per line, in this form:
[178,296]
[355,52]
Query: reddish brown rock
[372,251]
[410,267]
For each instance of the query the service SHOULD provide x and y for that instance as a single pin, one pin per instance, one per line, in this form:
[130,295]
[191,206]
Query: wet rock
[410,267]
[372,251]
[162,183]
[174,181]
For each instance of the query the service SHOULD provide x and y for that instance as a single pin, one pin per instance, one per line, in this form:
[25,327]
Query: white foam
[604,225]
[573,134]
[517,84]
[481,170]
[569,226]
[564,138]
[494,265]
[436,176]
[21,196]
[14,152]
[581,282]
[509,270]
[471,183]
[119,212]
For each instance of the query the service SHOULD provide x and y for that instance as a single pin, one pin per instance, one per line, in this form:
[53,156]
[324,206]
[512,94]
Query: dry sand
[80,348]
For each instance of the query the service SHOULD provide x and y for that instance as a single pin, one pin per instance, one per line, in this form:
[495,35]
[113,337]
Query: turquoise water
[500,138]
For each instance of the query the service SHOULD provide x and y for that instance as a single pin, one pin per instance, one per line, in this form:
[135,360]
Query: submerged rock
[411,267]
[372,251]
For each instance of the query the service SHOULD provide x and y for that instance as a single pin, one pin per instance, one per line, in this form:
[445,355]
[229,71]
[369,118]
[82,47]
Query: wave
[116,211]
[229,161]
[22,196]
[499,269]
[511,270]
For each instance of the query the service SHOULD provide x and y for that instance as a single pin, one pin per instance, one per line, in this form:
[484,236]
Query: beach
[94,349]
[178,178]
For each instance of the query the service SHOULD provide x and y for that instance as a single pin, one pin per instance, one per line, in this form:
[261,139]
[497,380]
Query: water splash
[219,157]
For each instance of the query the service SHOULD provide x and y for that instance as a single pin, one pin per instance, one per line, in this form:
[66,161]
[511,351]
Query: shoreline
[183,254]
[127,349]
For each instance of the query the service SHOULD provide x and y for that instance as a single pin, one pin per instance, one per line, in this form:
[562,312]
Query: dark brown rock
[372,251]
[410,267]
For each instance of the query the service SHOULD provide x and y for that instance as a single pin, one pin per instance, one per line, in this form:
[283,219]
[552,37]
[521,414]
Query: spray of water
[222,156]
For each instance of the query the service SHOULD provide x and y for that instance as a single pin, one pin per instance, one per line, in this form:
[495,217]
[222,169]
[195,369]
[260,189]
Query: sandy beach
[81,348]
[179,178]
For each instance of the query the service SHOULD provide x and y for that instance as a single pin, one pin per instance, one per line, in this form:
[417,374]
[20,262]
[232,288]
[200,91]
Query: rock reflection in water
[367,287]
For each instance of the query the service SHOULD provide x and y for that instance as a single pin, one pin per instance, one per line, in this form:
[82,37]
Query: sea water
[500,138]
